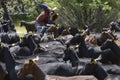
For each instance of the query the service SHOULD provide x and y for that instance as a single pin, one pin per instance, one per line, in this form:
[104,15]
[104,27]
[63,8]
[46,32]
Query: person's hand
[49,25]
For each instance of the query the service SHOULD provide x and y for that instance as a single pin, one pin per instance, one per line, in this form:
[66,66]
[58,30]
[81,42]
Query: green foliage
[94,13]
[76,13]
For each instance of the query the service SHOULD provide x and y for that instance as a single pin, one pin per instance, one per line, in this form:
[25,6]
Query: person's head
[44,6]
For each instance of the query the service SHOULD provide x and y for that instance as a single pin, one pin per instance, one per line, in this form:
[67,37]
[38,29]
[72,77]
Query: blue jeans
[40,28]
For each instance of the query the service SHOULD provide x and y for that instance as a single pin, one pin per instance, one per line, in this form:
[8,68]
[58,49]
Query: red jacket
[43,17]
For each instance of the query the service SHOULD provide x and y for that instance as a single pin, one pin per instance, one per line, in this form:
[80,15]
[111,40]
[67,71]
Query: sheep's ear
[30,61]
[112,40]
[21,37]
[1,46]
[93,61]
[36,59]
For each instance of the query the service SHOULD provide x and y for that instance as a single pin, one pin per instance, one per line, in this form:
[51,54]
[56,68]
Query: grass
[20,30]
